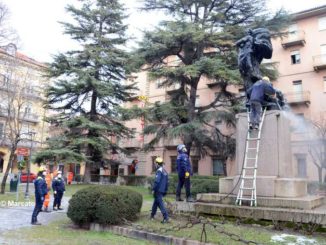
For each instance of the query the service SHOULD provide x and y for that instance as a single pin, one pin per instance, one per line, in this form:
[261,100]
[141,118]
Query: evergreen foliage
[87,90]
[197,42]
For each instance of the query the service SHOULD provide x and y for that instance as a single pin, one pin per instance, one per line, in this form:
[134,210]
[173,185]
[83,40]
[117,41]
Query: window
[157,83]
[28,109]
[77,169]
[194,164]
[302,165]
[299,123]
[242,91]
[297,86]
[322,23]
[218,166]
[295,57]
[173,160]
[197,103]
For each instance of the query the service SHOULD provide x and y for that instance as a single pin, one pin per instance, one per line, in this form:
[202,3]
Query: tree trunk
[191,113]
[9,166]
[87,174]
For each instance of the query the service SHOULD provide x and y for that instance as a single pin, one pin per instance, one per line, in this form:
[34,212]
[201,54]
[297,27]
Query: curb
[153,237]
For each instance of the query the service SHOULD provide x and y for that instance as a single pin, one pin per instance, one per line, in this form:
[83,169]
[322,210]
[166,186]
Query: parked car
[23,177]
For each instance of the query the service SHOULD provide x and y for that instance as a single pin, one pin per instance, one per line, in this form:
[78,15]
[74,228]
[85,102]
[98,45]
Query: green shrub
[104,205]
[199,184]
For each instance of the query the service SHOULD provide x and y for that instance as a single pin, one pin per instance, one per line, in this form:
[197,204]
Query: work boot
[251,127]
[178,199]
[36,223]
[60,208]
[47,210]
[190,199]
[151,218]
[55,209]
[164,221]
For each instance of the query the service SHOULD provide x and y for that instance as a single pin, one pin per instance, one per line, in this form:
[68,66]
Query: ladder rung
[251,158]
[250,148]
[250,167]
[251,139]
[247,188]
[246,199]
[247,177]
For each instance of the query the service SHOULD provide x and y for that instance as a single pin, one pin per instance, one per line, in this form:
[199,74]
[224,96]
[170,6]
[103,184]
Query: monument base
[267,186]
[306,203]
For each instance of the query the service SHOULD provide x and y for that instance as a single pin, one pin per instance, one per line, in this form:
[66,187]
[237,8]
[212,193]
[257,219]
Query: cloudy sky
[36,22]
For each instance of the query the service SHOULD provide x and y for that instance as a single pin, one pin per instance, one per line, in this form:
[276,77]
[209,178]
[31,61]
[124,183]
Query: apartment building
[301,61]
[151,92]
[23,78]
[300,58]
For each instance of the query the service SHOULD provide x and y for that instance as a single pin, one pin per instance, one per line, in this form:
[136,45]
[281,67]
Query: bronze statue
[252,49]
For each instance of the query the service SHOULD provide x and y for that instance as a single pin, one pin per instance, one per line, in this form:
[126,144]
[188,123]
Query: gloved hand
[42,199]
[187,174]
[55,192]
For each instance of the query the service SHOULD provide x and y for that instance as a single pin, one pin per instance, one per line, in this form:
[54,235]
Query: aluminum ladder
[249,169]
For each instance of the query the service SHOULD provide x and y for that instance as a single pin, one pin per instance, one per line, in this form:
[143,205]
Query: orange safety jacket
[48,180]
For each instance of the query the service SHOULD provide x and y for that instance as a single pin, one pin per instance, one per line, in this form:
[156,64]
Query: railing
[130,143]
[31,117]
[173,88]
[319,62]
[298,97]
[294,38]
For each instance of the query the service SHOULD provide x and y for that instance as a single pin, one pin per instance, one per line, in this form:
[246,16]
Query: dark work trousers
[37,208]
[57,199]
[186,182]
[255,112]
[158,202]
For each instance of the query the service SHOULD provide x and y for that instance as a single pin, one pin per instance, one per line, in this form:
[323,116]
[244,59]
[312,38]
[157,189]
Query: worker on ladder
[257,98]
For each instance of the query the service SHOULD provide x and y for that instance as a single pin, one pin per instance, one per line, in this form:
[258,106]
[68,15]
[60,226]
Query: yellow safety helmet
[266,79]
[159,160]
[42,168]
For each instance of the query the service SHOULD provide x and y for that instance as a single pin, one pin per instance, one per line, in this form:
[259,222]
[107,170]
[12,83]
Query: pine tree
[88,90]
[201,35]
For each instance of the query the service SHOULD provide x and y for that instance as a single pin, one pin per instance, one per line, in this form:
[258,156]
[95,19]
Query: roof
[24,58]
[309,12]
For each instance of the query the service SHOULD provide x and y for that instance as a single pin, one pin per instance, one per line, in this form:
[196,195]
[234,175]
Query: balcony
[293,39]
[172,143]
[319,62]
[173,88]
[131,143]
[31,117]
[297,98]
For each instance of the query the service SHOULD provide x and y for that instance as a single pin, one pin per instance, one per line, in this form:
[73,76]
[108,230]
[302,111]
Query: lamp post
[31,133]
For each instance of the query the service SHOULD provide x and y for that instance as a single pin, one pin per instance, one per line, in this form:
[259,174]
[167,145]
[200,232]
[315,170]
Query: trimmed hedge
[104,205]
[199,184]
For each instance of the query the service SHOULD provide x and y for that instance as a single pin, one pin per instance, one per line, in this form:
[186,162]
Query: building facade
[22,85]
[300,58]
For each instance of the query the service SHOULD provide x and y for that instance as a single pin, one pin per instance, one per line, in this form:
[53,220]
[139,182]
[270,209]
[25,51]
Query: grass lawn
[262,235]
[62,232]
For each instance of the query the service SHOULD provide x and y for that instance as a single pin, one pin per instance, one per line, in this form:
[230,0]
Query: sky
[36,22]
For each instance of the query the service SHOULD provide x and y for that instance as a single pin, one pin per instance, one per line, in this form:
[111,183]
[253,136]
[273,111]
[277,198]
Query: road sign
[22,151]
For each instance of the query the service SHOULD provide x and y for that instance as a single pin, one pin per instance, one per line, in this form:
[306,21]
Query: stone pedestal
[275,173]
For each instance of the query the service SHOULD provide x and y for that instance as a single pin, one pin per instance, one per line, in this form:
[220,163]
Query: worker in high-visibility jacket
[48,180]
[40,191]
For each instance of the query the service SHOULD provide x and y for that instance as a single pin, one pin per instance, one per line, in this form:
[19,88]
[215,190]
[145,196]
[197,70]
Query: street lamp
[32,134]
